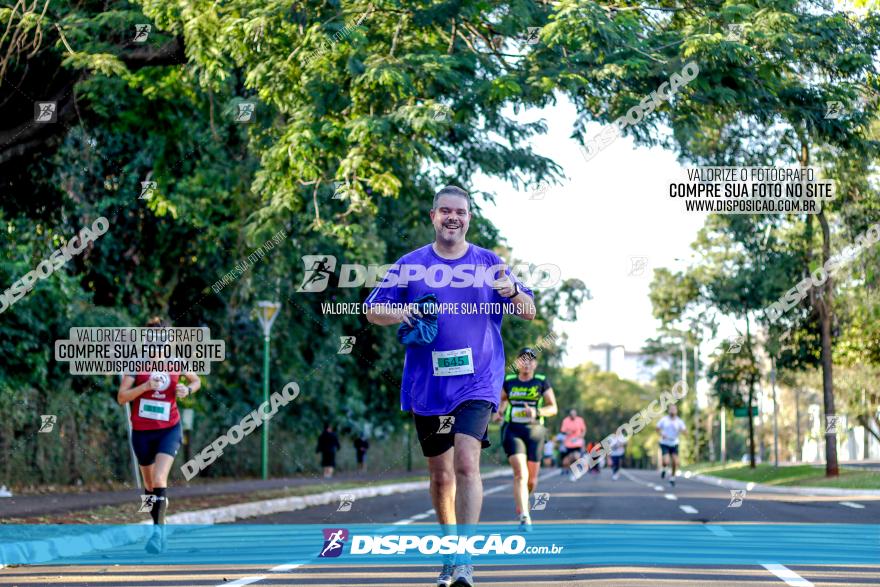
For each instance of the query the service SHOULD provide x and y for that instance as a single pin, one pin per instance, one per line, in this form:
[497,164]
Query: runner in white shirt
[618,449]
[670,427]
[549,452]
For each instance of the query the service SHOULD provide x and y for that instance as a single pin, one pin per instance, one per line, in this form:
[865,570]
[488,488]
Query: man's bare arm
[383,315]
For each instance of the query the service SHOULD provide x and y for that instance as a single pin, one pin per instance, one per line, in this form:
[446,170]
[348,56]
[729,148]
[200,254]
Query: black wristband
[515,291]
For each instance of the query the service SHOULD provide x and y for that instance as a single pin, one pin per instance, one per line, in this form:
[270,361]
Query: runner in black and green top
[526,399]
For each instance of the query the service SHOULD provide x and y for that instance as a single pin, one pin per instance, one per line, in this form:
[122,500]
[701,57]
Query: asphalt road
[639,497]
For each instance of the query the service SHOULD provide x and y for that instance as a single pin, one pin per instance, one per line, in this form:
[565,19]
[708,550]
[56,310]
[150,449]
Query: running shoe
[463,576]
[525,523]
[444,579]
[156,544]
[672,482]
[663,473]
[615,477]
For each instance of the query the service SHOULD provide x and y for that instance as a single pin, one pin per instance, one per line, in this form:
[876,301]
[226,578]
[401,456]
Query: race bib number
[153,410]
[457,362]
[519,414]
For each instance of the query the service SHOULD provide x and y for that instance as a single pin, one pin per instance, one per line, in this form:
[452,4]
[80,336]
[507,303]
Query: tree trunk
[751,424]
[751,395]
[822,299]
[824,303]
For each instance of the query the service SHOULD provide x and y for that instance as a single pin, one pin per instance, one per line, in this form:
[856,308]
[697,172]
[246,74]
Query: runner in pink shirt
[574,428]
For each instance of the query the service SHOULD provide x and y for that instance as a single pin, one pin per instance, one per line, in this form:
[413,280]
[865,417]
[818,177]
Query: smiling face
[451,217]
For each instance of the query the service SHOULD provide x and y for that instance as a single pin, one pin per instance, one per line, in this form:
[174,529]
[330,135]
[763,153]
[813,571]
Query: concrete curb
[288,504]
[39,551]
[749,486]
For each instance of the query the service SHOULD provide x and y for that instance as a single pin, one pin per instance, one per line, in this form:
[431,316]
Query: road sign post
[744,412]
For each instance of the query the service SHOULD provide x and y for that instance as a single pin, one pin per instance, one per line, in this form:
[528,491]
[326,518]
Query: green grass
[791,476]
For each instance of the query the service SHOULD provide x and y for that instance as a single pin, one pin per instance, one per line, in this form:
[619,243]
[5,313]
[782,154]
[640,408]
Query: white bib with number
[457,362]
[519,414]
[153,410]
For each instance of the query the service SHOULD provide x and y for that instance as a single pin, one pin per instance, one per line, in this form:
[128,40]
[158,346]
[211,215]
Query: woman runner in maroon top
[156,433]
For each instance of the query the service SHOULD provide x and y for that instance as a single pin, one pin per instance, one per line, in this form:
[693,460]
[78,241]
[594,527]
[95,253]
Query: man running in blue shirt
[452,383]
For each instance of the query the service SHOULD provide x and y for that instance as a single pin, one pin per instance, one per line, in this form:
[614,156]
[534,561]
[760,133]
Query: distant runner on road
[670,427]
[618,449]
[526,399]
[451,382]
[574,428]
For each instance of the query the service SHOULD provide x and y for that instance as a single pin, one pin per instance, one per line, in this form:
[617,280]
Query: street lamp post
[607,347]
[697,399]
[266,312]
[775,413]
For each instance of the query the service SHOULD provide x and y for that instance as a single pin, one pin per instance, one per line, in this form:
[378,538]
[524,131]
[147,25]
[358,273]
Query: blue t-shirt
[472,326]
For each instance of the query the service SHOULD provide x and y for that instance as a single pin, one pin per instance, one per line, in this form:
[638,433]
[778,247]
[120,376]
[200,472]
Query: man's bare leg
[442,488]
[468,484]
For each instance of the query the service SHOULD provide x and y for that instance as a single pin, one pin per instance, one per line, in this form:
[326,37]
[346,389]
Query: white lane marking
[658,488]
[243,581]
[634,479]
[670,497]
[852,504]
[688,509]
[431,512]
[411,519]
[287,567]
[495,489]
[787,575]
[718,531]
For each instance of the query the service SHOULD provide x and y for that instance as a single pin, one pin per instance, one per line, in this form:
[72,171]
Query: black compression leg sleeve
[158,511]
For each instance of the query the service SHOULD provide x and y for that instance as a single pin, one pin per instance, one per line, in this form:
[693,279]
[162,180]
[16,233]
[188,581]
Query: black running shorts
[437,433]
[148,443]
[527,439]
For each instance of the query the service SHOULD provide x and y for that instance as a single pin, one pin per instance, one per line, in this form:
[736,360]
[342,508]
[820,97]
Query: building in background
[632,365]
